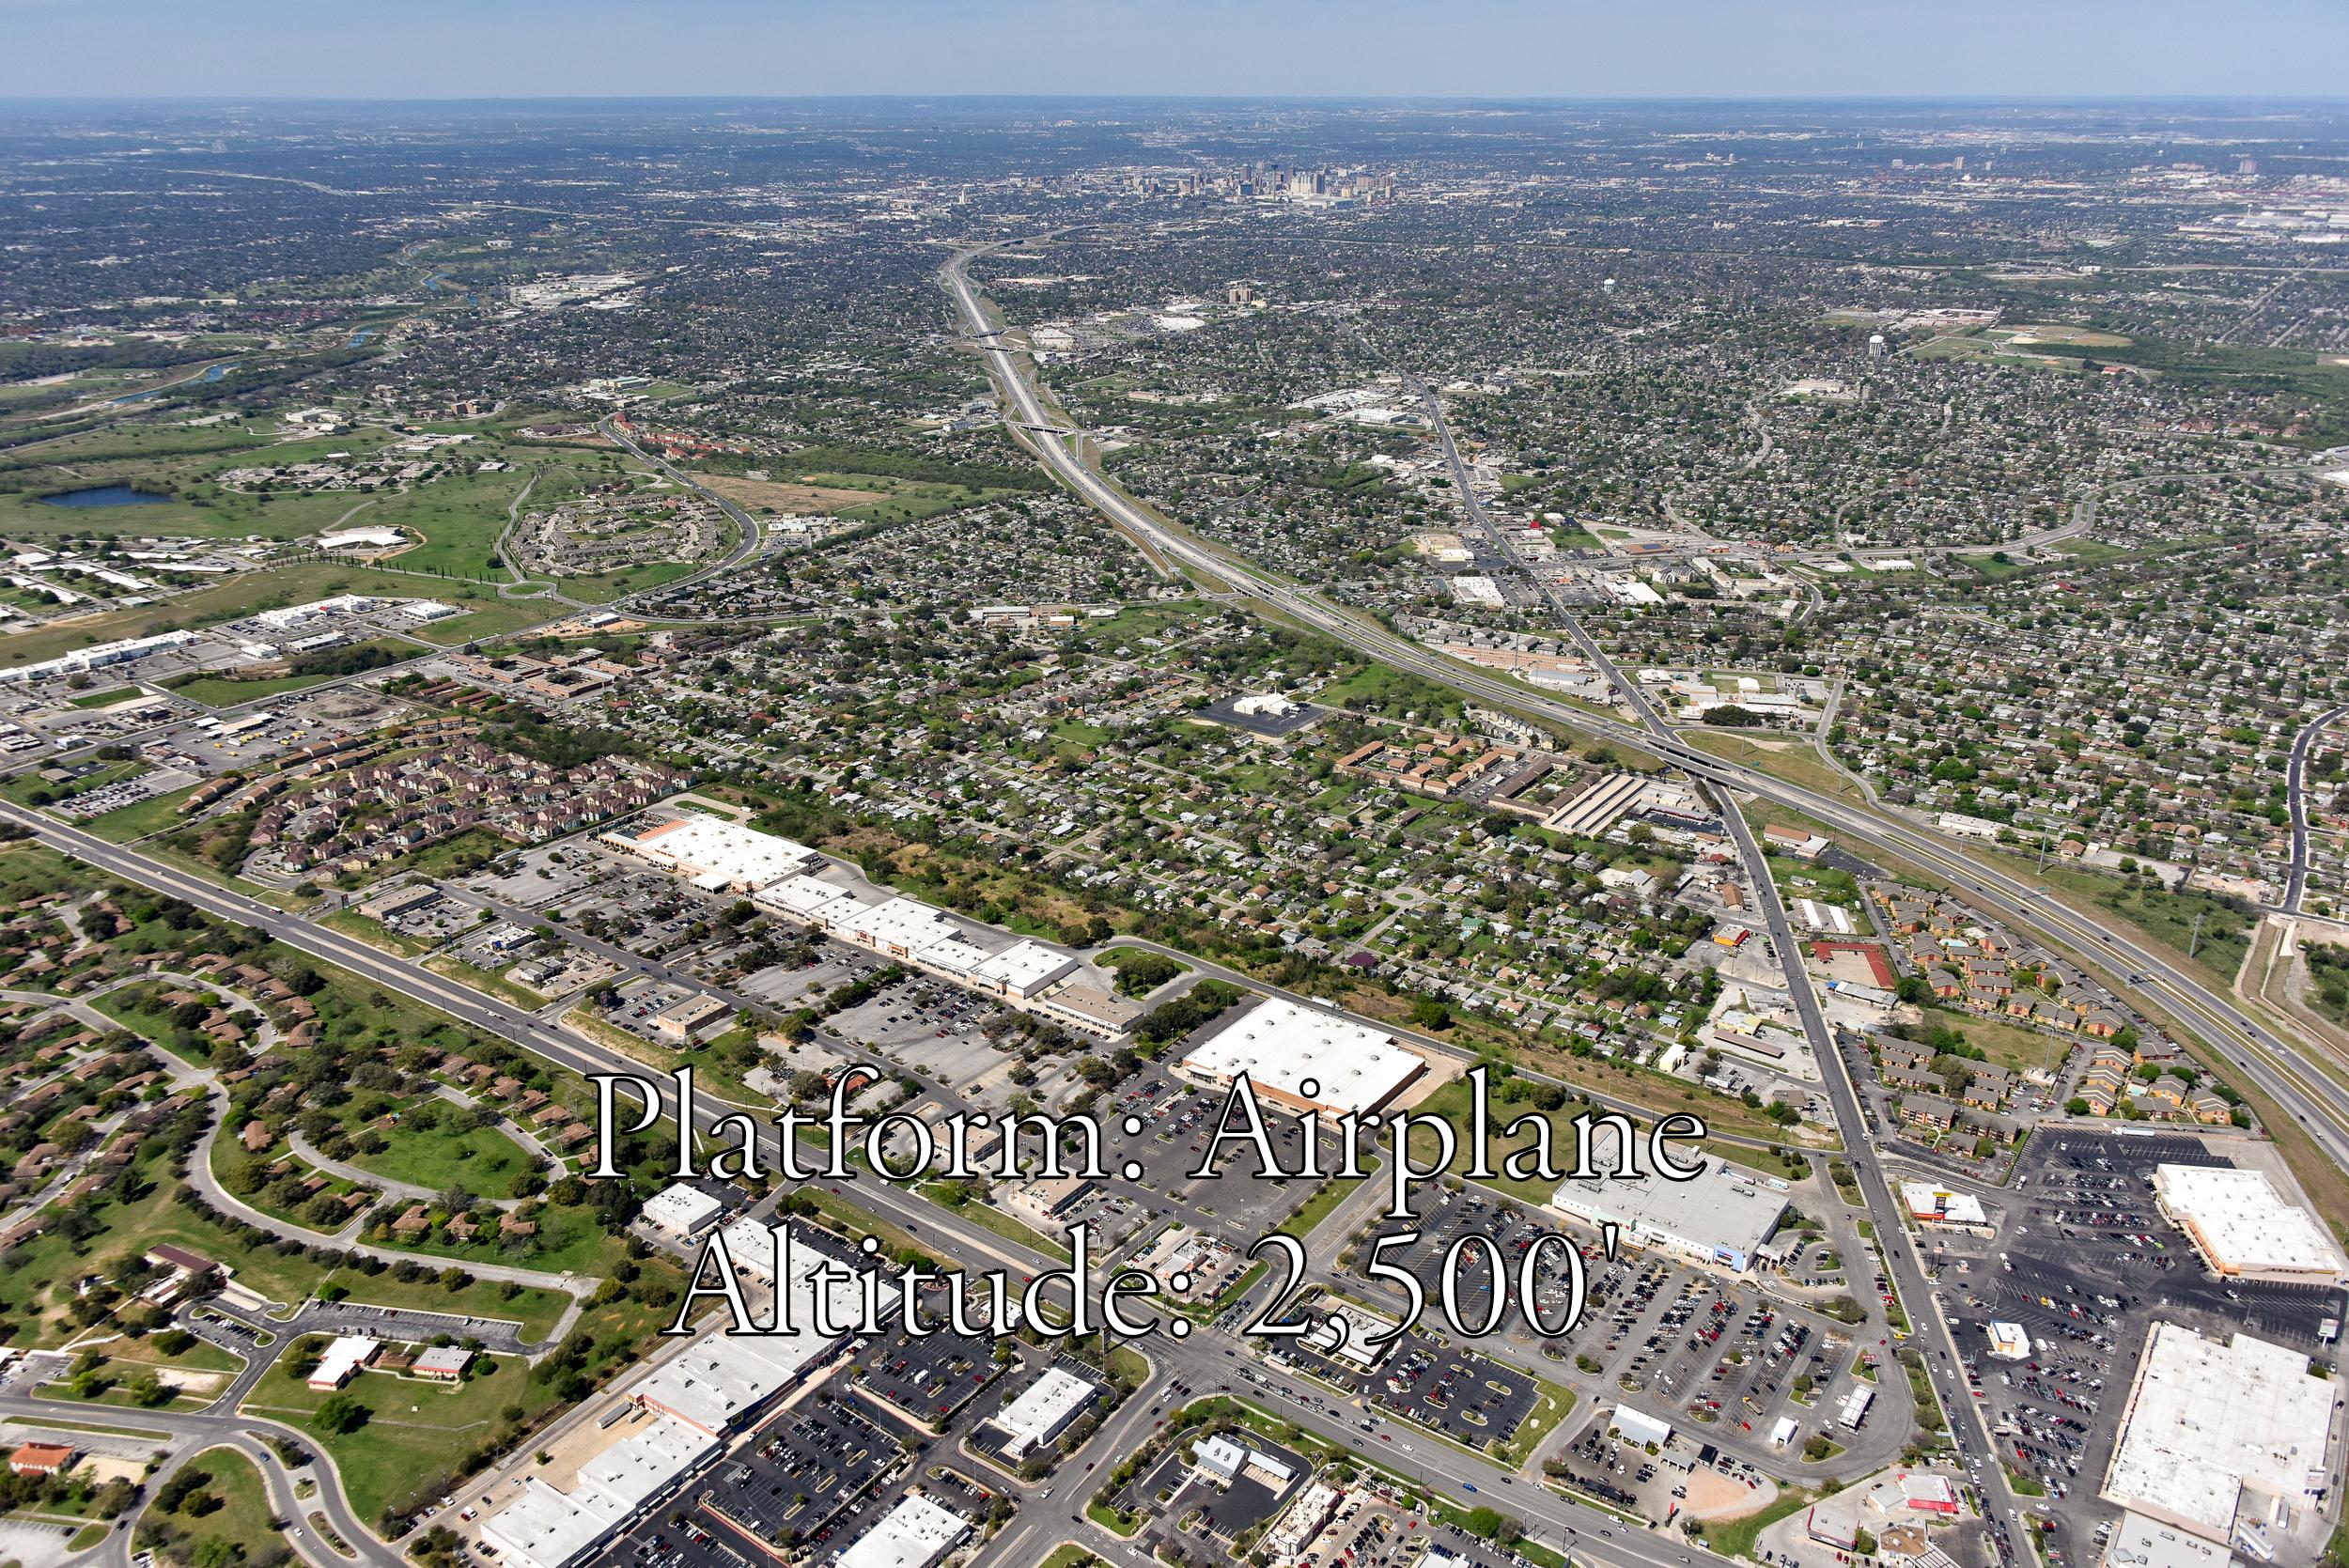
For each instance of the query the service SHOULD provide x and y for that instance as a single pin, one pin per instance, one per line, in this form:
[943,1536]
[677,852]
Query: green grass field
[135,821]
[37,1288]
[483,1161]
[492,618]
[413,1429]
[230,1507]
[458,519]
[224,692]
[634,580]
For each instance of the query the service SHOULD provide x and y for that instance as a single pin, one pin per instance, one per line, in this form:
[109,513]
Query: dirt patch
[779,496]
[102,1467]
[1714,1496]
[190,1382]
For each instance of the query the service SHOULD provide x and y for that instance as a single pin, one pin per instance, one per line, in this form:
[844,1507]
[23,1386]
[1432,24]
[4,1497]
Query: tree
[340,1415]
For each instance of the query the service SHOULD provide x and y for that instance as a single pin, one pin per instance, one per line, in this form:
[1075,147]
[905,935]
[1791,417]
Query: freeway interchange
[1209,1355]
[2273,1064]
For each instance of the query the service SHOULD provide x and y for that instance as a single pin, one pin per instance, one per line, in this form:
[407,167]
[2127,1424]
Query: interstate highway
[2271,1063]
[1973,1439]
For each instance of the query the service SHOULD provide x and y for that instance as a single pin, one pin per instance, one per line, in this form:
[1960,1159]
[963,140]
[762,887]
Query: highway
[1209,1357]
[2266,1060]
[1973,1439]
[2296,781]
[2251,1046]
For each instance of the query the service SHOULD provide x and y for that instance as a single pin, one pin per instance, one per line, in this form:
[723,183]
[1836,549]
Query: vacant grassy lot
[1791,760]
[437,1148]
[413,1428]
[229,1507]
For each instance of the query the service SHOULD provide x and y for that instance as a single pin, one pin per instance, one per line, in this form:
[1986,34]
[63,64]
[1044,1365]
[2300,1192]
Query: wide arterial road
[1204,1359]
[2270,1063]
[1968,1429]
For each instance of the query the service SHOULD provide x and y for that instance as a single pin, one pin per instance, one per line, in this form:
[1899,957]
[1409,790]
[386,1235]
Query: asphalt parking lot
[407,1324]
[1233,1206]
[785,985]
[1720,1355]
[541,874]
[802,1471]
[1459,1394]
[929,1377]
[932,1029]
[2085,1263]
[1715,1351]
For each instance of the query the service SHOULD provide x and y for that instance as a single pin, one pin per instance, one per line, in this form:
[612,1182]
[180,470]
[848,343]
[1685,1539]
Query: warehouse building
[914,1534]
[2230,1440]
[1305,1058]
[716,855]
[1594,809]
[1722,1217]
[548,1529]
[99,655]
[2243,1227]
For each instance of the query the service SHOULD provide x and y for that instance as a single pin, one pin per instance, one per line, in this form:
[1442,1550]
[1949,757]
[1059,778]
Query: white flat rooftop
[1929,1203]
[1726,1212]
[2205,1421]
[806,898]
[724,1376]
[717,853]
[345,1356]
[914,1534]
[2242,1222]
[682,1208]
[547,1529]
[1041,1409]
[1024,967]
[1282,1046]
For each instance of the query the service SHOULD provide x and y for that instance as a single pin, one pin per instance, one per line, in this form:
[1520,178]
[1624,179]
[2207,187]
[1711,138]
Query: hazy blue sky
[1445,48]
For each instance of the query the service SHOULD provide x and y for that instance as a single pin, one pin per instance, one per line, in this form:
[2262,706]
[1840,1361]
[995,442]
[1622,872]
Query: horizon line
[1981,98]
